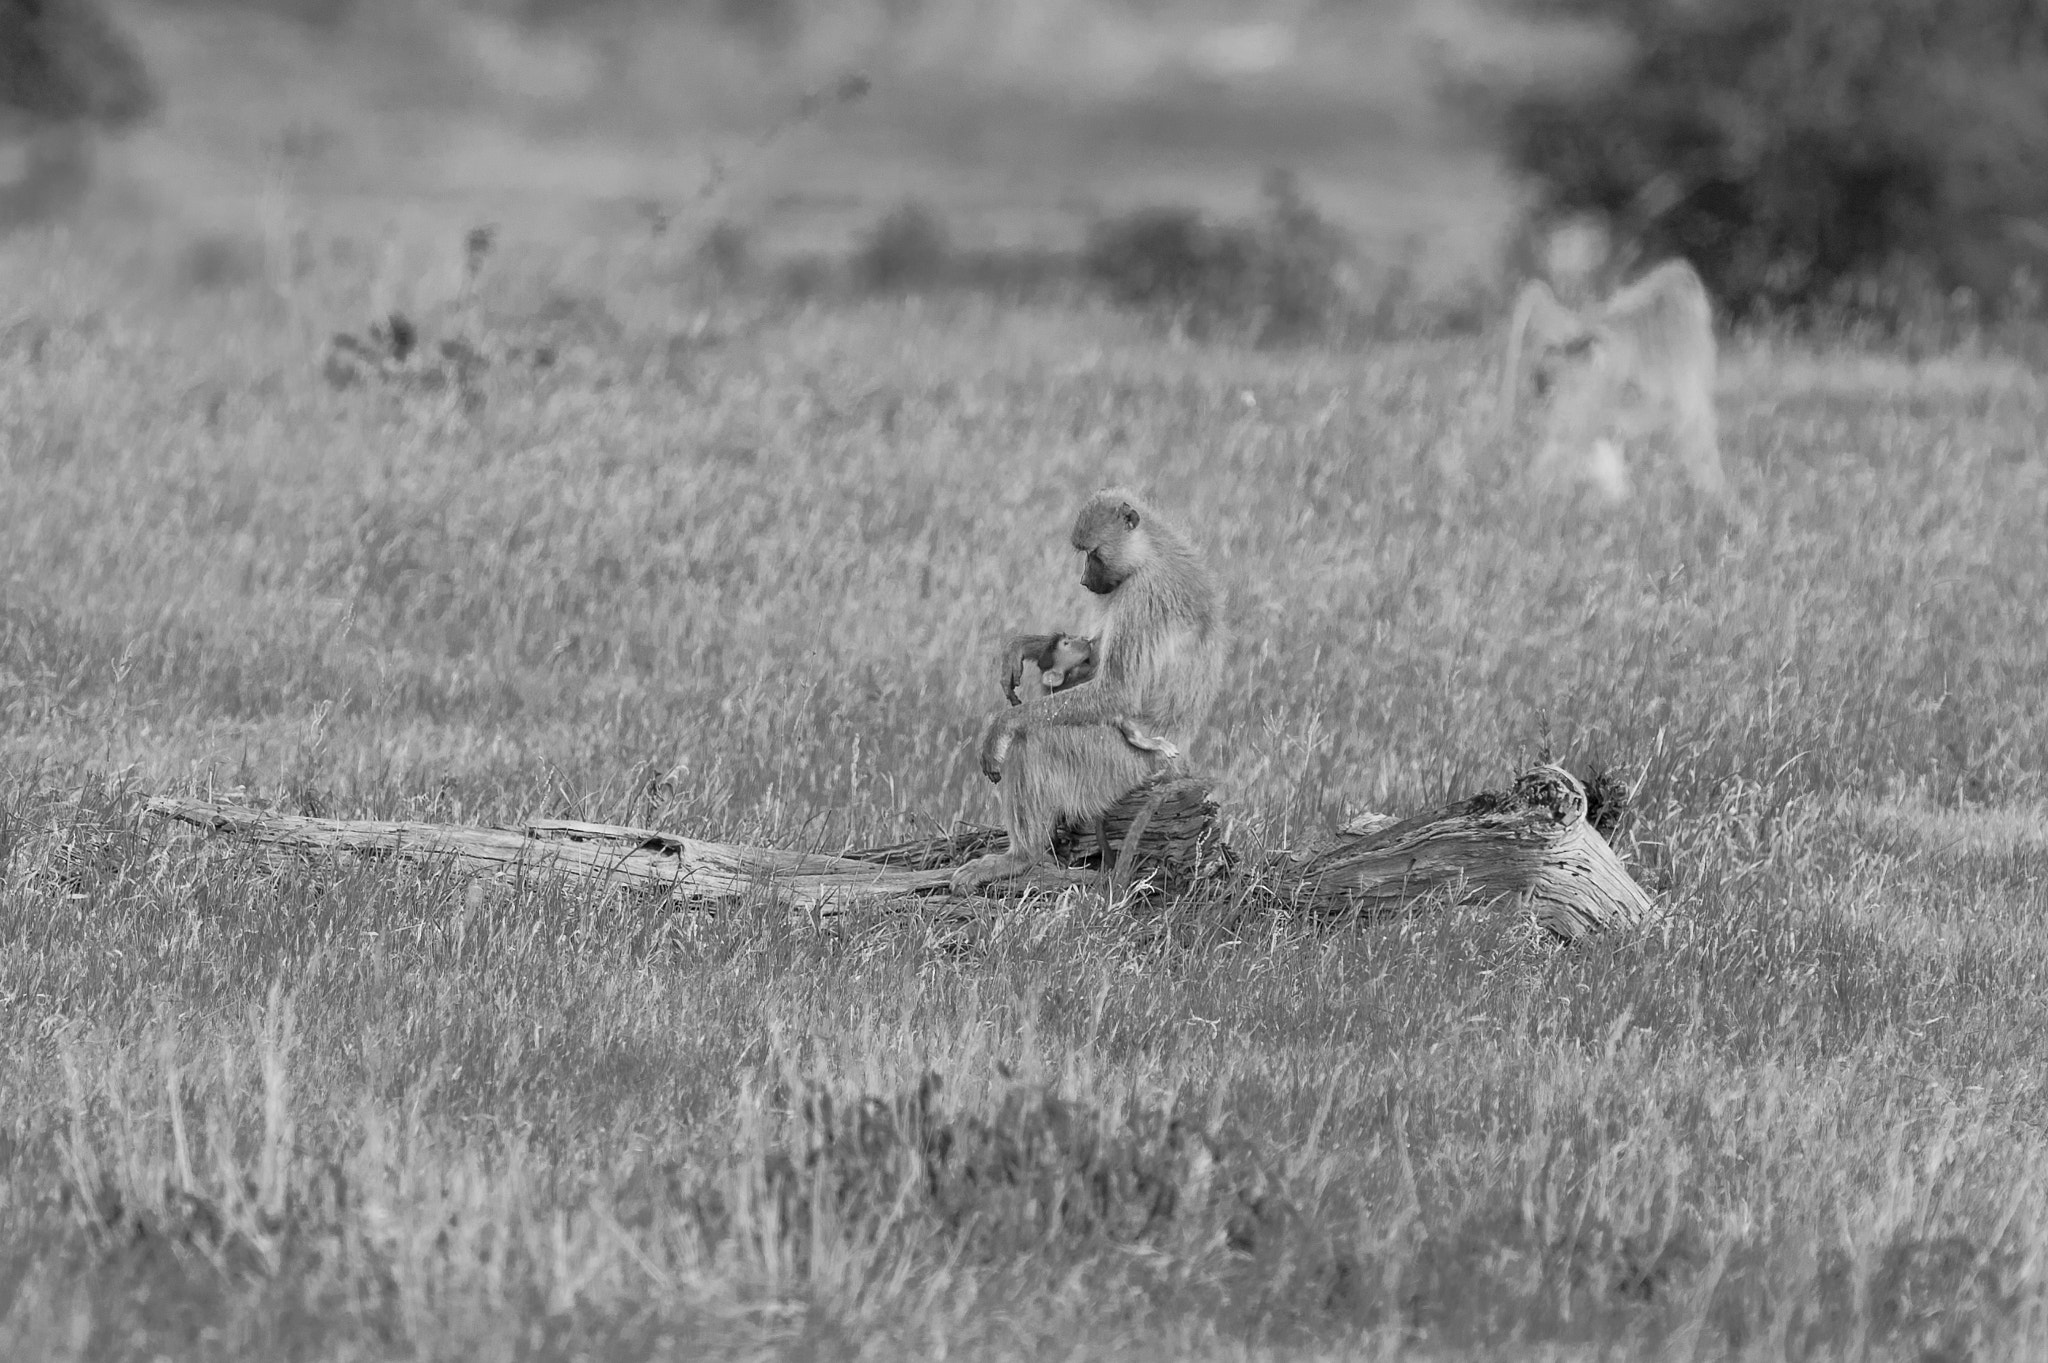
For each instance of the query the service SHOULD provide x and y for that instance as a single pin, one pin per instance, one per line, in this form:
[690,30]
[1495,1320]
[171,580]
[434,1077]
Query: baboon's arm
[1086,705]
[1082,705]
[1538,313]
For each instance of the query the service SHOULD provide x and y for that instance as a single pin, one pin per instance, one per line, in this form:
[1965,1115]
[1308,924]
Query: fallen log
[604,853]
[1161,829]
[1533,845]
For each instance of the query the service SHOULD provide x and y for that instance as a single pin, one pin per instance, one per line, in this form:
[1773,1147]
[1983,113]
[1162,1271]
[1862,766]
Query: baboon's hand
[1159,744]
[995,748]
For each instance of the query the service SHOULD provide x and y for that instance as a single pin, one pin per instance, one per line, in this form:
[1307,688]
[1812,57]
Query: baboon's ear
[1130,515]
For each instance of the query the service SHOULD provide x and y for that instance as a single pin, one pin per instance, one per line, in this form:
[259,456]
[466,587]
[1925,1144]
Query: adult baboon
[1646,358]
[1159,662]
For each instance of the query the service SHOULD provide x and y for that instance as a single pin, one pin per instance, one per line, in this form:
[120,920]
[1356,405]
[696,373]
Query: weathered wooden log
[1532,844]
[1163,829]
[606,853]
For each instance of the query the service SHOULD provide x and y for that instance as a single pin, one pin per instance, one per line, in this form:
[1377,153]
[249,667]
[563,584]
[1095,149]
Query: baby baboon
[1648,360]
[1067,661]
[1159,663]
[1037,665]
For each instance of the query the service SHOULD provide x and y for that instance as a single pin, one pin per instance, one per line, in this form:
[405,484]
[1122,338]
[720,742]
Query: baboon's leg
[1076,770]
[1029,846]
[1607,470]
[1553,456]
[1550,458]
[1696,435]
[1575,421]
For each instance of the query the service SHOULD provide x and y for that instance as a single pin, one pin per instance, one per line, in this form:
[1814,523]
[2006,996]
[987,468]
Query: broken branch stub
[1532,843]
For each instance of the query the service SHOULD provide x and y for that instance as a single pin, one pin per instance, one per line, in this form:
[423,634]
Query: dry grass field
[732,565]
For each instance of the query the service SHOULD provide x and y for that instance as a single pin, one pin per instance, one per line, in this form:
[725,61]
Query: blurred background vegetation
[1289,169]
[1802,149]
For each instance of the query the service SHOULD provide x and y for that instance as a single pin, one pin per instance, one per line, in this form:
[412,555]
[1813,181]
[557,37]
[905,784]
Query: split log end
[1532,842]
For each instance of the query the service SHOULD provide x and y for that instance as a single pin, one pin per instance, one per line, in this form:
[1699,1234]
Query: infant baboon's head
[1062,656]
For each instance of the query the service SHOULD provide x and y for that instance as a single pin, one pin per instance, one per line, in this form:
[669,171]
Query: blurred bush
[908,249]
[1283,277]
[64,62]
[726,251]
[1171,260]
[768,21]
[66,73]
[1793,149]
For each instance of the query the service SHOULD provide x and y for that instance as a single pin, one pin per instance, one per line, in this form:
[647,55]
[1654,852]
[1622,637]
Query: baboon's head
[1574,252]
[1111,531]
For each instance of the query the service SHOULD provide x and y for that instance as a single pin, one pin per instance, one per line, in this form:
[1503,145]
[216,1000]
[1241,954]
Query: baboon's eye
[1130,516]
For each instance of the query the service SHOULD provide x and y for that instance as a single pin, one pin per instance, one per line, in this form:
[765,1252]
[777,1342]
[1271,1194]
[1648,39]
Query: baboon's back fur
[1162,641]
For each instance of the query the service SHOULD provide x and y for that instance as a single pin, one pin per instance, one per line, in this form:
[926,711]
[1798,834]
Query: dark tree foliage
[1787,146]
[64,62]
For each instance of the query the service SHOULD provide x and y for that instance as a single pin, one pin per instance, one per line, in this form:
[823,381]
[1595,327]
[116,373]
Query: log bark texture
[1533,844]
